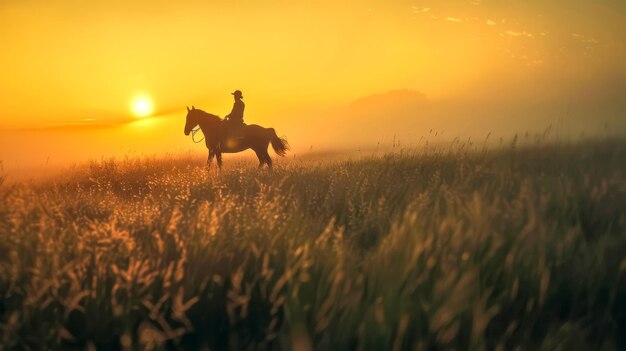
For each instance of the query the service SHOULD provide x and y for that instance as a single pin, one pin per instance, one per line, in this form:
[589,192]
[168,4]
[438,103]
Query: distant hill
[407,115]
[381,116]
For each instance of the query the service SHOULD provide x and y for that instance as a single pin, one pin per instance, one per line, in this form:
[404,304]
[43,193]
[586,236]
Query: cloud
[491,23]
[454,19]
[519,34]
[416,9]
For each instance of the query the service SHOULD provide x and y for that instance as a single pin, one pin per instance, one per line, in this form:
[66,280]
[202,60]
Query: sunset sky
[70,62]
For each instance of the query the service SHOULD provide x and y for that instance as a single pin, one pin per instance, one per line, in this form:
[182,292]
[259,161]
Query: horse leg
[259,155]
[268,159]
[210,158]
[264,155]
[219,159]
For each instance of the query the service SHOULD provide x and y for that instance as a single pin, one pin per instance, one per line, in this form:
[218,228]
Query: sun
[141,106]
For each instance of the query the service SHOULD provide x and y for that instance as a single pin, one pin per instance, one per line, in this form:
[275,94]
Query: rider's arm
[231,112]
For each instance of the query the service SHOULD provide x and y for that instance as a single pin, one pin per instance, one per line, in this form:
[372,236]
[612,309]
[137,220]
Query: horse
[254,137]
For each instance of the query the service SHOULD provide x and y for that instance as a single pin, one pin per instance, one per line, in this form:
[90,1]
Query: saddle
[234,130]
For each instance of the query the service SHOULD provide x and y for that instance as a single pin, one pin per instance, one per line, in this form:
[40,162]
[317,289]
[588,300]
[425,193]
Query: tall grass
[515,248]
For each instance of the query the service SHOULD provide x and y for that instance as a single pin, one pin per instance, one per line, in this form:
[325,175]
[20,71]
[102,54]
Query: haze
[327,74]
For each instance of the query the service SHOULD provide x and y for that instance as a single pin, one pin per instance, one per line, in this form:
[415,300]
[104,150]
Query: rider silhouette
[233,122]
[236,115]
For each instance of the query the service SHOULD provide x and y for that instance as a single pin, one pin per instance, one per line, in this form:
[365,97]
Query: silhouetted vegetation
[445,248]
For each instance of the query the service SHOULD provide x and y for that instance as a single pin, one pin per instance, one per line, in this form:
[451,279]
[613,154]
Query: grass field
[517,248]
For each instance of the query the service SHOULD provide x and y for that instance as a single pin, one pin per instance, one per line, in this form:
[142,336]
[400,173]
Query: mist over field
[399,117]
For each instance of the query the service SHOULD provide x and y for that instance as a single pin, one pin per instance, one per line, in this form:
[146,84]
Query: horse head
[195,117]
[191,119]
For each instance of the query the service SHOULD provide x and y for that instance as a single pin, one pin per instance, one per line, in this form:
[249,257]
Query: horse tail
[280,145]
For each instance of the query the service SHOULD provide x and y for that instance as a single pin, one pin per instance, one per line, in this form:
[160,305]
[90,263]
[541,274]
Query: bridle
[193,134]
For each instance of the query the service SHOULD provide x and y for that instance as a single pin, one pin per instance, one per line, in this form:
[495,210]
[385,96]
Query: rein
[193,134]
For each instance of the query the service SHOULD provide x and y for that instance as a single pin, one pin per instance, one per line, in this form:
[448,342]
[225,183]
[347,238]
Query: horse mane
[202,113]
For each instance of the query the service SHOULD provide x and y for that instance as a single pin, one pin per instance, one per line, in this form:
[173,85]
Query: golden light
[141,106]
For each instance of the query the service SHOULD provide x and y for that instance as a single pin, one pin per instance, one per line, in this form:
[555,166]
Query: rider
[235,117]
[233,122]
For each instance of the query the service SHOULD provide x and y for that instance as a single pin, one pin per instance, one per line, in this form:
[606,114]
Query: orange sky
[70,61]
